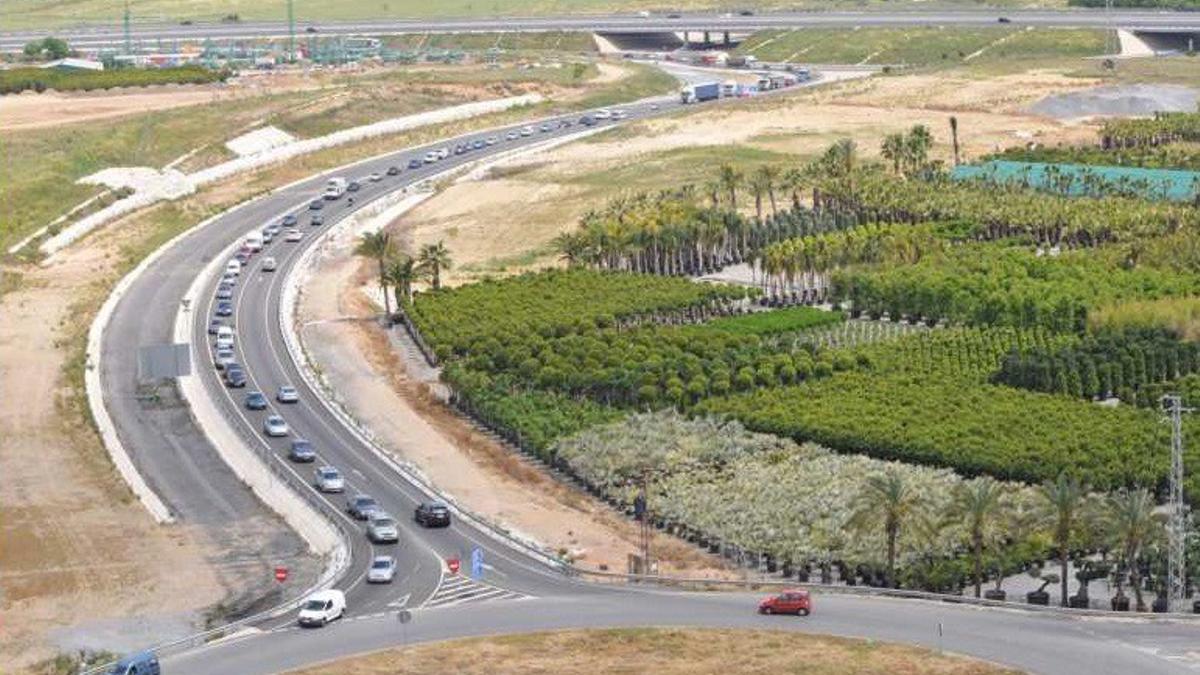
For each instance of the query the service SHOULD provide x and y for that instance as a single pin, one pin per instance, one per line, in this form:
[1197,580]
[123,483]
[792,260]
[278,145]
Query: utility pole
[1177,525]
[291,32]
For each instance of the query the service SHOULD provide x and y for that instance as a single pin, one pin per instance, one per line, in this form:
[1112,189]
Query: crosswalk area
[458,590]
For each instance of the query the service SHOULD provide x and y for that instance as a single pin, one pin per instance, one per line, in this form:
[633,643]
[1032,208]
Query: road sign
[453,564]
[476,563]
[281,574]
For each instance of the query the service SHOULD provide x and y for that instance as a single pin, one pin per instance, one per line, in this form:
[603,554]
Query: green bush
[16,80]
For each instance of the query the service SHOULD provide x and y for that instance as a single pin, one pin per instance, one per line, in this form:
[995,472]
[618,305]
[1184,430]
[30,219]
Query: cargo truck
[697,93]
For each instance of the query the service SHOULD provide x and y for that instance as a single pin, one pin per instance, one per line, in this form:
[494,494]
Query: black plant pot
[1078,602]
[1160,605]
[1196,607]
[995,594]
[1120,603]
[1037,598]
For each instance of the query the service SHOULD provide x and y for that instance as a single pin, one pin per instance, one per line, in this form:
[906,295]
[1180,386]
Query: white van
[254,242]
[233,267]
[322,607]
[224,337]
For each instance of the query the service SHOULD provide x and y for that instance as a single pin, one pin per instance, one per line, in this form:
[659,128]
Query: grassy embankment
[923,46]
[665,651]
[42,165]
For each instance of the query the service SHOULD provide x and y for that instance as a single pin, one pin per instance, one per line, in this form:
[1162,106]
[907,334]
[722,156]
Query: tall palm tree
[401,272]
[793,180]
[888,499]
[1062,507]
[767,176]
[919,141]
[730,179]
[979,504]
[378,245]
[1130,519]
[433,260]
[758,188]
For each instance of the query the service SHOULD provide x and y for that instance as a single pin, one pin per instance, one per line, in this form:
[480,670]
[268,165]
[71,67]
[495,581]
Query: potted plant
[1041,596]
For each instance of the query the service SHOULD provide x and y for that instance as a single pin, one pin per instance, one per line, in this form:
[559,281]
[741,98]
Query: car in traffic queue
[269,264]
[316,205]
[141,663]
[289,220]
[362,507]
[275,427]
[511,136]
[317,220]
[790,601]
[432,514]
[414,163]
[224,358]
[287,394]
[382,570]
[224,308]
[431,157]
[322,607]
[214,326]
[382,529]
[375,177]
[393,170]
[256,401]
[329,479]
[526,131]
[293,235]
[235,376]
[302,451]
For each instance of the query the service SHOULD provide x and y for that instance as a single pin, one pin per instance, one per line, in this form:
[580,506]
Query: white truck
[335,188]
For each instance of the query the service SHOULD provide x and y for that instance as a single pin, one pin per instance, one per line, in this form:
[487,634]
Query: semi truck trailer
[697,93]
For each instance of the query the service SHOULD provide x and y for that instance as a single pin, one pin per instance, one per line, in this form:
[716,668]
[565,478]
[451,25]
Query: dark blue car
[224,308]
[414,163]
[143,663]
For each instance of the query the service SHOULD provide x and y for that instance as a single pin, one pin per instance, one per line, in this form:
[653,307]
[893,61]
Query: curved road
[111,34]
[517,591]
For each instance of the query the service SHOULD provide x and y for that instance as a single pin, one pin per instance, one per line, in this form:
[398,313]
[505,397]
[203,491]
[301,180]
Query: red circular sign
[452,563]
[281,574]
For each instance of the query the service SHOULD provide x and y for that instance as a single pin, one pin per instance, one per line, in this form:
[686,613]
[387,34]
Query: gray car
[362,507]
[382,571]
[287,394]
[382,529]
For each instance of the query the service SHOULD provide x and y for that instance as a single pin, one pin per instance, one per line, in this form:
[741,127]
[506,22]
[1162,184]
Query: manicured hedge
[17,80]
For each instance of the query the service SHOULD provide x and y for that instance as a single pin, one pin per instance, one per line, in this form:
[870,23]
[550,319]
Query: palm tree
[767,175]
[893,149]
[378,245]
[888,499]
[1130,519]
[919,142]
[979,504]
[433,260]
[730,179]
[401,272]
[758,187]
[793,180]
[1063,501]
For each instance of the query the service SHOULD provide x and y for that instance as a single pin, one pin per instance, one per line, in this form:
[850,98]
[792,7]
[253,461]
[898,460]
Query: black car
[234,376]
[352,186]
[393,170]
[317,220]
[414,163]
[458,150]
[214,325]
[746,12]
[1004,19]
[289,220]
[302,451]
[432,514]
[316,205]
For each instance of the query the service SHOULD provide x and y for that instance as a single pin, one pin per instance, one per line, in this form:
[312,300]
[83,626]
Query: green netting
[1086,179]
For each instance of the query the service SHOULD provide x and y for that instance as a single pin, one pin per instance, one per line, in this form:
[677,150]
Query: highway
[518,590]
[113,35]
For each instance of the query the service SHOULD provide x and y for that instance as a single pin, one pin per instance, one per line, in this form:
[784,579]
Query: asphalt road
[516,592]
[112,34]
[1035,643]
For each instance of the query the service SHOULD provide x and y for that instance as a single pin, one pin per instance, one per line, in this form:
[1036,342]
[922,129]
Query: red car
[791,601]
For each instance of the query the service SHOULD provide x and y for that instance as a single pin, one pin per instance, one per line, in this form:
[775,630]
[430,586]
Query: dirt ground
[663,651]
[470,466]
[75,546]
[508,219]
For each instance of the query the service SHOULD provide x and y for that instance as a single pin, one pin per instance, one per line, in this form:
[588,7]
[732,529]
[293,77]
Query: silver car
[287,394]
[329,479]
[223,358]
[275,426]
[382,571]
[382,529]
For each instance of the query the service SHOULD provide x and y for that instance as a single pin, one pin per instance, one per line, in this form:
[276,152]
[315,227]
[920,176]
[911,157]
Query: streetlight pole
[1177,524]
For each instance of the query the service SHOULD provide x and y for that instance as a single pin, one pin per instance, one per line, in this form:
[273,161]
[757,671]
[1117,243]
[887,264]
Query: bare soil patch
[75,546]
[663,651]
